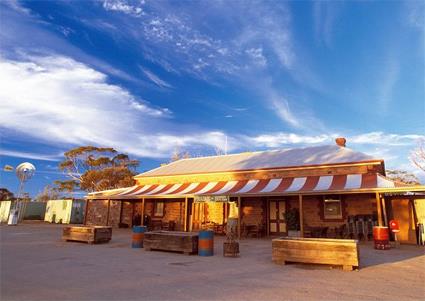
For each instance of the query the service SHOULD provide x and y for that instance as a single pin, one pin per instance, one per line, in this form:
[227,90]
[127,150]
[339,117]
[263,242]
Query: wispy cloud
[325,15]
[415,14]
[381,138]
[255,46]
[26,155]
[155,79]
[387,82]
[124,7]
[65,102]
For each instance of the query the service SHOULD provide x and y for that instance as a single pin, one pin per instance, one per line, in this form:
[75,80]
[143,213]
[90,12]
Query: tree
[98,168]
[48,193]
[417,156]
[67,186]
[179,155]
[5,194]
[402,176]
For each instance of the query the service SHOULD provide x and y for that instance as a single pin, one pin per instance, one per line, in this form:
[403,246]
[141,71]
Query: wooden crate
[186,242]
[344,252]
[90,234]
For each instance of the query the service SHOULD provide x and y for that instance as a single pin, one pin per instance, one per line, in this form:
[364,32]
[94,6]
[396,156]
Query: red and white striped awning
[277,186]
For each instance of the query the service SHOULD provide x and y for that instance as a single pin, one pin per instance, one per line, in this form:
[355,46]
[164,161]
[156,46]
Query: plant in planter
[292,219]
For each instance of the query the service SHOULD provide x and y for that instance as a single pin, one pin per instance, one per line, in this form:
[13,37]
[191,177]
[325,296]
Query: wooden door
[276,217]
[403,213]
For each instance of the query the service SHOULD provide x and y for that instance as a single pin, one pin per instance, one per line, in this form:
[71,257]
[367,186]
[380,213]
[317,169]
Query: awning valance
[277,186]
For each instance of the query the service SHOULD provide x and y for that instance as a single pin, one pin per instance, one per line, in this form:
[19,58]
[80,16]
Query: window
[158,210]
[332,208]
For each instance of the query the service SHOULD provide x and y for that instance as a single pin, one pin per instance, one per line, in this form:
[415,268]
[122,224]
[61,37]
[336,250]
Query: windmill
[24,172]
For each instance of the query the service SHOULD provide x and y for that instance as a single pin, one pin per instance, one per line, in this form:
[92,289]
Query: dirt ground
[37,265]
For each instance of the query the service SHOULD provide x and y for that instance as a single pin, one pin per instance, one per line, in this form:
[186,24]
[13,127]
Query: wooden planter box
[185,242]
[91,234]
[344,252]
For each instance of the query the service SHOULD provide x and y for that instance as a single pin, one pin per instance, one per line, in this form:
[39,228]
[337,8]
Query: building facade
[324,191]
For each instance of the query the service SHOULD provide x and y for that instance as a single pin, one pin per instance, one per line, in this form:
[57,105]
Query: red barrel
[381,238]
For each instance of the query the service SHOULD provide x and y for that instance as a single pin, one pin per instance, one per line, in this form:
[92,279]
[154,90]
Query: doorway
[277,209]
[404,214]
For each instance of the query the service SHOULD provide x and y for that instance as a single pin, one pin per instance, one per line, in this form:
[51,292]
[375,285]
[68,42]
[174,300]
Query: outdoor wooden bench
[343,252]
[88,234]
[185,242]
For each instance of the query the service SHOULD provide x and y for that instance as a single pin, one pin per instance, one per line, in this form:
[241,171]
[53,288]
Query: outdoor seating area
[218,229]
[253,230]
[358,227]
[156,225]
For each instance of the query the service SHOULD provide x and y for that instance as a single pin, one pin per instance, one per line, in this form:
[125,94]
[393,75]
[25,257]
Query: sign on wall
[211,198]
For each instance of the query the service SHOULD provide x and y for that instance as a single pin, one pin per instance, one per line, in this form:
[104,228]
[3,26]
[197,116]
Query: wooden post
[239,217]
[384,211]
[86,211]
[107,214]
[300,200]
[378,208]
[192,210]
[267,217]
[143,211]
[120,219]
[185,214]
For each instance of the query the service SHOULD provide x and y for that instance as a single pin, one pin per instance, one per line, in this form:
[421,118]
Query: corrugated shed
[318,155]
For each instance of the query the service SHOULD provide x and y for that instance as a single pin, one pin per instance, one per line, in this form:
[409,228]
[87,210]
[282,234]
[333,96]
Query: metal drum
[206,243]
[138,235]
[381,238]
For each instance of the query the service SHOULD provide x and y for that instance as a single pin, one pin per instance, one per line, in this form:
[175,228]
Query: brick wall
[174,211]
[252,211]
[352,205]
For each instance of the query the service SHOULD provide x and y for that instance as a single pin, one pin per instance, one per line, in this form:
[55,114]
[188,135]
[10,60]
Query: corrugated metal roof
[317,155]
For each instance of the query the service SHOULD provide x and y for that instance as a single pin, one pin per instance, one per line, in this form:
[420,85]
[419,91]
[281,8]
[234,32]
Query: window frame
[155,209]
[336,199]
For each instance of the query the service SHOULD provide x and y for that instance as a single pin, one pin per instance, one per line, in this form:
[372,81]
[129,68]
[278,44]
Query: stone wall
[127,213]
[253,212]
[351,205]
[114,213]
[173,211]
[97,212]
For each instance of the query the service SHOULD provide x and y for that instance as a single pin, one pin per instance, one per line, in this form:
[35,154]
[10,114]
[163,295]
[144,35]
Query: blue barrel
[138,236]
[206,243]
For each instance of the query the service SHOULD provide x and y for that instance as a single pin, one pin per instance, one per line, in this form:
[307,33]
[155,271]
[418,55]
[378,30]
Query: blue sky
[153,77]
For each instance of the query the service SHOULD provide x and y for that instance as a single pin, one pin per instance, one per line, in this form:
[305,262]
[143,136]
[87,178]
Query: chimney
[341,141]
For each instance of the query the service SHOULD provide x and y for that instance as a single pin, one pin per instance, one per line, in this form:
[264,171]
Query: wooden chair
[253,231]
[156,225]
[170,226]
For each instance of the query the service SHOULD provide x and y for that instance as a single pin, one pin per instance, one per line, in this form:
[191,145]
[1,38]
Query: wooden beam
[239,217]
[86,210]
[185,214]
[378,208]
[300,200]
[120,219]
[192,210]
[384,211]
[143,211]
[267,217]
[107,214]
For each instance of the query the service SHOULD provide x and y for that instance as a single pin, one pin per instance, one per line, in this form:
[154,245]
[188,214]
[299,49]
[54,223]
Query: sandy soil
[37,265]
